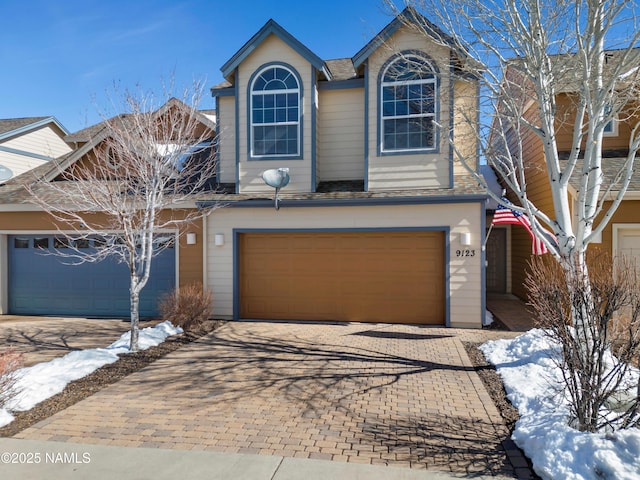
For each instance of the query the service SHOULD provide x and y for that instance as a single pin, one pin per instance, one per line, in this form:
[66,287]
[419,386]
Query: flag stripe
[506,216]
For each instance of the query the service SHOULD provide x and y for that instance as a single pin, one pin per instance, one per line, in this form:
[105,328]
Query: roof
[272,28]
[337,69]
[408,15]
[89,133]
[341,69]
[92,132]
[465,187]
[10,127]
[611,166]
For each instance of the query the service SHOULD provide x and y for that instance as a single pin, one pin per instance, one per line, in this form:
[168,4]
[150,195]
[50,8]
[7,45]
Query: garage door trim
[239,231]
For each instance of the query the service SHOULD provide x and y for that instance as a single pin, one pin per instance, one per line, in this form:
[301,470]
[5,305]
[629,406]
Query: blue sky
[60,58]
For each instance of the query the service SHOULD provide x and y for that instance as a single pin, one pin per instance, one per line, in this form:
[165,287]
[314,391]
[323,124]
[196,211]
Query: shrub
[10,362]
[595,320]
[187,307]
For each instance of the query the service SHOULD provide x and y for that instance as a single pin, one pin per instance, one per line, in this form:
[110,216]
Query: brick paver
[369,393]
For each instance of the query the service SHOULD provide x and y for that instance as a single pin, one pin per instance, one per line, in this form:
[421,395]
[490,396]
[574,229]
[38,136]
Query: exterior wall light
[191,238]
[218,239]
[465,239]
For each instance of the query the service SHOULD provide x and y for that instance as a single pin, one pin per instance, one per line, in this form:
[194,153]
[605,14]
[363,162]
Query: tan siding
[45,141]
[566,116]
[464,283]
[341,135]
[627,213]
[539,192]
[227,139]
[408,171]
[18,164]
[191,261]
[464,136]
[272,49]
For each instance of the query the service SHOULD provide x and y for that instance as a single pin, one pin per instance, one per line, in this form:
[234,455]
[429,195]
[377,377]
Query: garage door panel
[48,285]
[350,276]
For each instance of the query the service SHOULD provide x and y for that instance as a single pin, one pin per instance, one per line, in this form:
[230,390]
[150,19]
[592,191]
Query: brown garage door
[349,276]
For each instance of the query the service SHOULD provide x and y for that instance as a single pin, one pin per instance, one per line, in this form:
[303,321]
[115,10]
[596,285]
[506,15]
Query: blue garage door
[42,284]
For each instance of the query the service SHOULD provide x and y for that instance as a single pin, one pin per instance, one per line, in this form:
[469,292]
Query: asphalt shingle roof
[9,124]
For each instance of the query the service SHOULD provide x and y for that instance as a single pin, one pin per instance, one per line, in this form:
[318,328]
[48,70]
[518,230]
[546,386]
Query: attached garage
[365,276]
[41,284]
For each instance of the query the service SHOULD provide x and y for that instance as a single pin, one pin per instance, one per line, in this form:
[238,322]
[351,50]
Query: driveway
[368,393]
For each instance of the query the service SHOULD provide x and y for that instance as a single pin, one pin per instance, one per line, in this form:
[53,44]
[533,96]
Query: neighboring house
[378,223]
[35,283]
[26,143]
[510,246]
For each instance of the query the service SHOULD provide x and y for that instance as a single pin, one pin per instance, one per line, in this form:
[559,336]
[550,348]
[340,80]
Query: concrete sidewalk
[36,460]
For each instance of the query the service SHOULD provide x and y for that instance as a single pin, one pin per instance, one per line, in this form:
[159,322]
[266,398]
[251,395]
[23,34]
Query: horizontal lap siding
[421,170]
[227,139]
[539,192]
[341,135]
[43,141]
[272,49]
[465,273]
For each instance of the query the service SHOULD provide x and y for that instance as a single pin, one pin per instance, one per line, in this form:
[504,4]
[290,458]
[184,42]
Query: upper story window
[409,98]
[275,113]
[611,128]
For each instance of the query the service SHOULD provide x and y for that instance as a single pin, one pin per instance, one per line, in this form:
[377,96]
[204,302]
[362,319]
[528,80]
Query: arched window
[409,98]
[275,113]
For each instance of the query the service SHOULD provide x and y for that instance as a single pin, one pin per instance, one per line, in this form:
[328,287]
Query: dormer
[268,111]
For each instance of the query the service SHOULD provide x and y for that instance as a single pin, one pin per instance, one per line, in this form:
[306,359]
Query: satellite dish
[277,178]
[5,173]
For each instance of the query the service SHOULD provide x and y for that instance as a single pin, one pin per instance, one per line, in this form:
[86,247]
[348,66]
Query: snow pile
[44,380]
[531,379]
[488,318]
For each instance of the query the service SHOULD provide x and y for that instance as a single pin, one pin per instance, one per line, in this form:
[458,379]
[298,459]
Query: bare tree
[525,54]
[602,392]
[138,182]
[547,69]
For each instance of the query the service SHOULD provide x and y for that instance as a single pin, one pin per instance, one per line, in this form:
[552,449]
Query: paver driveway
[371,393]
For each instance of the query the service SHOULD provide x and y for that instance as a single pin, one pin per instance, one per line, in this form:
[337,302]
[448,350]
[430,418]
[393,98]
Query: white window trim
[436,106]
[270,92]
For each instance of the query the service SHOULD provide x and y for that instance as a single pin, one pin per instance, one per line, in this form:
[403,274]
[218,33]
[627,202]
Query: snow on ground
[558,452]
[44,380]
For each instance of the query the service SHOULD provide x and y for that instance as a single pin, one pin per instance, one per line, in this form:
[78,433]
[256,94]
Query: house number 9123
[465,253]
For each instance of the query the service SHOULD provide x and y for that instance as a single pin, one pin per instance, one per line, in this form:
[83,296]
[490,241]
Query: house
[26,143]
[509,247]
[34,282]
[377,222]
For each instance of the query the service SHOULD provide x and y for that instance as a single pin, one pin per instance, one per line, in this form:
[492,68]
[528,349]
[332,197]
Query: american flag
[504,216]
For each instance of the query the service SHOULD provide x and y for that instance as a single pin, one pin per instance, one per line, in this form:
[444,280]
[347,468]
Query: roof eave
[34,126]
[408,15]
[272,27]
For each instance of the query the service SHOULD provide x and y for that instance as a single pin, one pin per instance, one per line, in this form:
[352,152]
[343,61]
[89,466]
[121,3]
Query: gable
[271,28]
